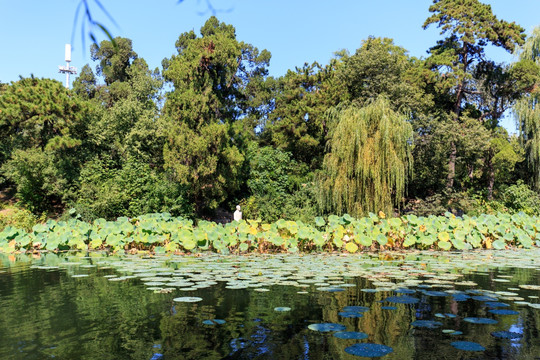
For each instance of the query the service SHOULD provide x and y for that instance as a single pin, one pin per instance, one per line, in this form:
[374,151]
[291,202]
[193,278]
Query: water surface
[97,306]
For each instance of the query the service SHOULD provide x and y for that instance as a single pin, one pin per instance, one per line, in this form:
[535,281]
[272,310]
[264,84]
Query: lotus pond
[391,305]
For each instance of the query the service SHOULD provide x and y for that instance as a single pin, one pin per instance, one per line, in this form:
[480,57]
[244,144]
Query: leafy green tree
[470,26]
[279,187]
[85,85]
[379,67]
[369,160]
[114,59]
[44,140]
[126,176]
[134,189]
[211,75]
[527,109]
[297,122]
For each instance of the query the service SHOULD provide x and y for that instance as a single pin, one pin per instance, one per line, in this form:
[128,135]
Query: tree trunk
[451,166]
[491,177]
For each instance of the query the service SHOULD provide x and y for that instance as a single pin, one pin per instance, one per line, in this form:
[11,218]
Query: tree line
[375,130]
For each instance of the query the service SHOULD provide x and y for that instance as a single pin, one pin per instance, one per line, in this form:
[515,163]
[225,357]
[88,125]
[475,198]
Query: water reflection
[48,313]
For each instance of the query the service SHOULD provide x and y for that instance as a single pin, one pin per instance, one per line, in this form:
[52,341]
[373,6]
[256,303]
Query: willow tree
[369,159]
[527,109]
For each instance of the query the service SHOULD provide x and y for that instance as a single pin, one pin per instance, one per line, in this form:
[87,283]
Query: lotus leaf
[351,247]
[326,327]
[369,350]
[351,335]
[478,320]
[467,346]
[430,324]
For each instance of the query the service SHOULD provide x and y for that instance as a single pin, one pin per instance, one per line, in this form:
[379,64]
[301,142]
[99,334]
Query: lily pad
[467,346]
[503,312]
[355,308]
[187,299]
[479,320]
[214,322]
[388,307]
[326,327]
[496,304]
[402,299]
[350,314]
[430,324]
[355,335]
[369,350]
[282,309]
[484,298]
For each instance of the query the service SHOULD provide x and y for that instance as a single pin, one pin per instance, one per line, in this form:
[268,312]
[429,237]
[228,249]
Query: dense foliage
[165,233]
[376,130]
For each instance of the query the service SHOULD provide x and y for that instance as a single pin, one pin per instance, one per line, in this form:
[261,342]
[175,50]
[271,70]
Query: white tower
[67,69]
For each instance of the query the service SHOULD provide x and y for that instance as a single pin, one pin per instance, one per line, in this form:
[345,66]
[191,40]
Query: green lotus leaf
[382,239]
[189,243]
[318,240]
[365,240]
[525,240]
[410,240]
[427,240]
[499,244]
[459,244]
[319,221]
[243,247]
[351,247]
[444,245]
[475,240]
[443,236]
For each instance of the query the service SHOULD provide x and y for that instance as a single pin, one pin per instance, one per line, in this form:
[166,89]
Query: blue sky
[33,32]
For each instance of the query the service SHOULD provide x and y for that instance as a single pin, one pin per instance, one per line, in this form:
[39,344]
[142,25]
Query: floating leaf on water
[331,289]
[530,287]
[214,322]
[79,275]
[448,331]
[187,299]
[430,324]
[369,350]
[503,312]
[282,308]
[404,291]
[326,327]
[460,297]
[467,346]
[506,335]
[435,293]
[262,289]
[388,307]
[496,304]
[402,299]
[479,320]
[350,314]
[535,306]
[484,298]
[356,308]
[355,335]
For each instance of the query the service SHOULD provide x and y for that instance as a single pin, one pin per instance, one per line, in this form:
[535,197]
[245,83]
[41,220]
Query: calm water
[72,306]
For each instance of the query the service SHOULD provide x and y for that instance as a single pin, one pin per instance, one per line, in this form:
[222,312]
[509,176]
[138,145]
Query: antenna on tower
[67,69]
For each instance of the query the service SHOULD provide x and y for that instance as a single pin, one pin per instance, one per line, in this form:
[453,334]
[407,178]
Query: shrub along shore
[163,233]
